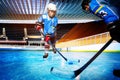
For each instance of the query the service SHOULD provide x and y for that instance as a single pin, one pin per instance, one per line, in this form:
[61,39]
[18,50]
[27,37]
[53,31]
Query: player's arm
[114,29]
[38,24]
[56,23]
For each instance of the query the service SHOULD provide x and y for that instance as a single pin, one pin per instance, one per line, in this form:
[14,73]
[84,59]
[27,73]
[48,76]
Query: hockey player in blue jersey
[105,13]
[50,21]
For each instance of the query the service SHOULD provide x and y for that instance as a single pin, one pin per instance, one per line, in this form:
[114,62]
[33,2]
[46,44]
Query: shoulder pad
[44,16]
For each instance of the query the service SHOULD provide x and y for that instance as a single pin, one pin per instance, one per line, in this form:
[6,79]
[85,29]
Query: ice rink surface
[30,65]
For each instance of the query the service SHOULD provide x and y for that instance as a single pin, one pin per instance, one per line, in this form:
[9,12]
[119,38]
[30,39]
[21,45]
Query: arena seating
[3,34]
[27,32]
[65,32]
[63,29]
[82,30]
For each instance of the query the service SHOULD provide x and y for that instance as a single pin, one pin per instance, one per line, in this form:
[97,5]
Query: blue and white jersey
[103,12]
[50,24]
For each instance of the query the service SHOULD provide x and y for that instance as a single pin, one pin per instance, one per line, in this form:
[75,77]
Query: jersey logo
[103,13]
[100,12]
[44,16]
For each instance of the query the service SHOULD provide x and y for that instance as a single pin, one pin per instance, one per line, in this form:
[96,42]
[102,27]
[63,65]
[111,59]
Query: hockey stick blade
[62,73]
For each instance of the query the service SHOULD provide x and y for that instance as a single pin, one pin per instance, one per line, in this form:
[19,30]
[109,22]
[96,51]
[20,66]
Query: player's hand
[114,30]
[38,26]
[47,38]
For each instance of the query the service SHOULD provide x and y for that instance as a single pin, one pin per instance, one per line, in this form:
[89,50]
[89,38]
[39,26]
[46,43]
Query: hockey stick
[57,50]
[75,73]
